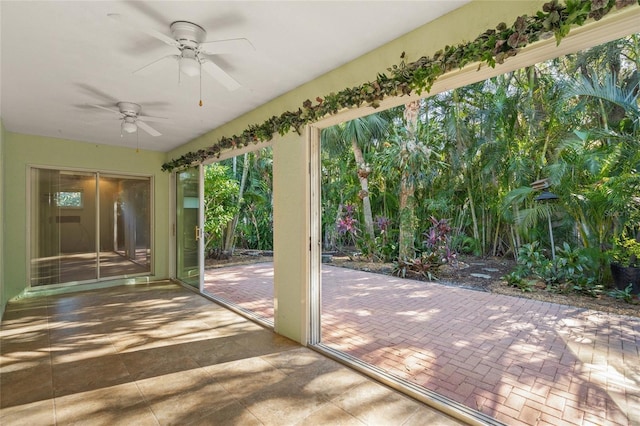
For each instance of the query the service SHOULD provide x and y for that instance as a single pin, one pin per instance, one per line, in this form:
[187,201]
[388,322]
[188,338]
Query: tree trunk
[229,241]
[363,177]
[406,249]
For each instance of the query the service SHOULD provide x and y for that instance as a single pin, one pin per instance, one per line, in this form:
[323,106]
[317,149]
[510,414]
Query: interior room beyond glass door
[85,226]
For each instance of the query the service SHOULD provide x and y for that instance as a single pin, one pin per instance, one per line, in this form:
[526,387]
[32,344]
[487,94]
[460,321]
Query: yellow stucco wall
[20,151]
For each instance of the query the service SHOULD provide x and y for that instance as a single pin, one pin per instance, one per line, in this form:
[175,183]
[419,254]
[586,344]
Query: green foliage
[465,245]
[588,286]
[572,266]
[478,148]
[572,271]
[625,294]
[380,249]
[625,251]
[532,262]
[219,201]
[515,279]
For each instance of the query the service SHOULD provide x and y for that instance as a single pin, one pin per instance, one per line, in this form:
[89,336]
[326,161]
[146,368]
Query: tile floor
[159,354]
[520,361]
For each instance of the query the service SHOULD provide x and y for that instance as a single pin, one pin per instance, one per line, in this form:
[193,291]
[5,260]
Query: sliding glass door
[189,233]
[87,226]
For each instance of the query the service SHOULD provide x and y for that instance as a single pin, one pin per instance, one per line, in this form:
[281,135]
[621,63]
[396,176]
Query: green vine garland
[491,47]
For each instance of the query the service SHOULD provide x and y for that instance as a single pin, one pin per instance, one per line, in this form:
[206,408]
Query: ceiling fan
[129,113]
[195,53]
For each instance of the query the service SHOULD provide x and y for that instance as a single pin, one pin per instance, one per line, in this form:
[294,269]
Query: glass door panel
[125,226]
[63,227]
[188,228]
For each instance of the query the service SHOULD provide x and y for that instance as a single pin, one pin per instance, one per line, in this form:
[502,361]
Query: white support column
[291,235]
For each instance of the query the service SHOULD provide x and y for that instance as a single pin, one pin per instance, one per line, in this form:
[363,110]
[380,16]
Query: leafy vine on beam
[492,47]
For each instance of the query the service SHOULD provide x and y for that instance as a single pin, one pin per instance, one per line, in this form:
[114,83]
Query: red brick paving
[522,361]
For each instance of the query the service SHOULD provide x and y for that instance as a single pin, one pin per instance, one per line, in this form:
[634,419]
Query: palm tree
[358,134]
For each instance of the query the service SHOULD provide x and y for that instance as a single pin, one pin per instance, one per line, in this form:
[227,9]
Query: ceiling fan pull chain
[137,140]
[200,74]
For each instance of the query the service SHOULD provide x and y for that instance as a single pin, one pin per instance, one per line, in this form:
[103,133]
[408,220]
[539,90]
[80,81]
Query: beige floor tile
[265,339]
[247,377]
[24,350]
[22,386]
[80,347]
[14,328]
[40,413]
[234,414]
[375,404]
[88,374]
[115,405]
[428,416]
[139,340]
[159,361]
[333,383]
[285,402]
[302,363]
[329,414]
[220,350]
[184,397]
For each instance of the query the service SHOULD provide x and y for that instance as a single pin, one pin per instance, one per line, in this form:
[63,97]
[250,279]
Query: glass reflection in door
[63,227]
[125,225]
[86,226]
[187,227]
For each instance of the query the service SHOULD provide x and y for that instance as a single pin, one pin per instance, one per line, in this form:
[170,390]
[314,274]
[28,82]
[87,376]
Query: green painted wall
[21,151]
[290,234]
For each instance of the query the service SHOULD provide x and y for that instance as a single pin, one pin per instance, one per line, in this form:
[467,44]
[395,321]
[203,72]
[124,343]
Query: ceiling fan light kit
[129,125]
[189,64]
[132,120]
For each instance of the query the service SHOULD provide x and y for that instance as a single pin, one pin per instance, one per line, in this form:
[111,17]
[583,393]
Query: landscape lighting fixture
[546,196]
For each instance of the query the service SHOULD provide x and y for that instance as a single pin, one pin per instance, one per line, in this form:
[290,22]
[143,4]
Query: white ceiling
[61,57]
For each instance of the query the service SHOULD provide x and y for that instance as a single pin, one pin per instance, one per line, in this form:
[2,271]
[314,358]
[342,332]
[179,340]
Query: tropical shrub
[436,251]
[220,205]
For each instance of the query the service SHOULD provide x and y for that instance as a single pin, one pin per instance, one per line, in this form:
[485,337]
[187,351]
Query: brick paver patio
[521,361]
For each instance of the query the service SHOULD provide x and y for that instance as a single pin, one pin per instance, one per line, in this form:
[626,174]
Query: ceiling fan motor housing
[129,109]
[188,34]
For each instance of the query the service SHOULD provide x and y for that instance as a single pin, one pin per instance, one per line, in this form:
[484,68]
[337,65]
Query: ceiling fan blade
[150,66]
[144,126]
[152,118]
[234,45]
[115,111]
[219,74]
[149,31]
